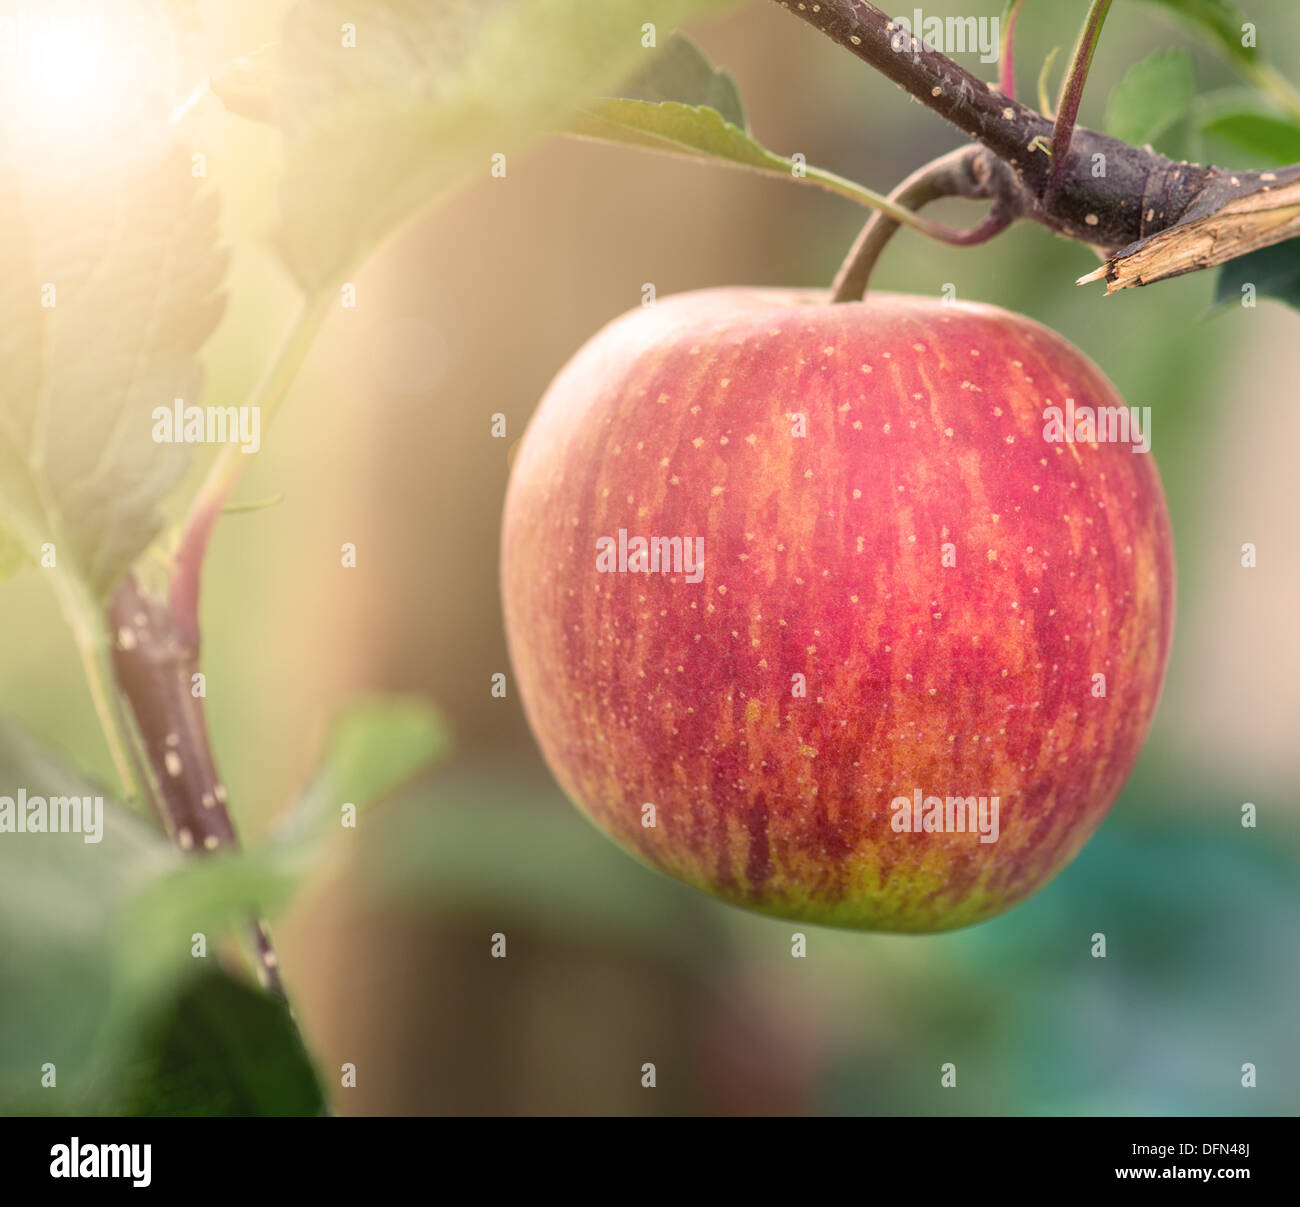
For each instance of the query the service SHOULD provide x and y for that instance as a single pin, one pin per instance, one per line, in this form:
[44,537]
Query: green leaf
[95,938]
[58,897]
[681,104]
[1273,271]
[376,746]
[1270,141]
[679,71]
[681,125]
[428,93]
[221,1048]
[488,837]
[693,131]
[1153,97]
[1219,20]
[108,289]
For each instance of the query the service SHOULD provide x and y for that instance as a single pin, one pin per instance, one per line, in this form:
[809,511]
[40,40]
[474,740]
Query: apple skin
[824,557]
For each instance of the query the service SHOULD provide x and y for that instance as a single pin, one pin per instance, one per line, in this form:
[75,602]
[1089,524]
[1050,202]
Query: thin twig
[1067,106]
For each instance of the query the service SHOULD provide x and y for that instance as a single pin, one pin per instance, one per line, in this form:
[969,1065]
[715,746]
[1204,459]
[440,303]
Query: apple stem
[967,172]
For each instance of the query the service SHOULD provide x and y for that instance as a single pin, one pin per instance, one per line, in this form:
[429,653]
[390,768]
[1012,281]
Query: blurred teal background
[386,442]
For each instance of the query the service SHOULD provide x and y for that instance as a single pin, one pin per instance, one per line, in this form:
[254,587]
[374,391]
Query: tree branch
[155,662]
[1103,192]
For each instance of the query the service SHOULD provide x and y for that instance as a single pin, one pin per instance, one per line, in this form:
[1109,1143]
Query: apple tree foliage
[373,131]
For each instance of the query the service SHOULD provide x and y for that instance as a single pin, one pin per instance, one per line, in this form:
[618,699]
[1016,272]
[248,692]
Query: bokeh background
[387,443]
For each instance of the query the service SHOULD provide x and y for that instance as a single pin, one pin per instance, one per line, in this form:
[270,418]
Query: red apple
[972,610]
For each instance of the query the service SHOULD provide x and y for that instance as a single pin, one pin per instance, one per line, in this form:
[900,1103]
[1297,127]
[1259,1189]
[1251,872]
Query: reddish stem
[1007,55]
[155,661]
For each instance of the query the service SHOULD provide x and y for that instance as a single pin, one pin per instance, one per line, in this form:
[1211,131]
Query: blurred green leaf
[221,1048]
[180,1045]
[108,289]
[679,71]
[1219,20]
[1152,97]
[95,938]
[424,95]
[484,837]
[58,896]
[375,746]
[1270,141]
[1192,907]
[1273,271]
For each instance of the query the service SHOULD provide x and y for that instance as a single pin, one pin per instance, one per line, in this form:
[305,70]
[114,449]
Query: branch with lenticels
[1148,216]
